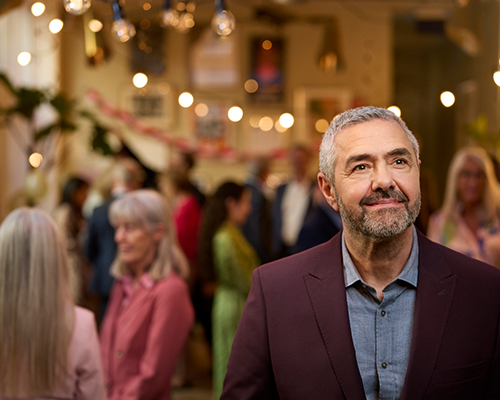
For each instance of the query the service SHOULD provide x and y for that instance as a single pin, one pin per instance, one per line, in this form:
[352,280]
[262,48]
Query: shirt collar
[409,273]
[145,281]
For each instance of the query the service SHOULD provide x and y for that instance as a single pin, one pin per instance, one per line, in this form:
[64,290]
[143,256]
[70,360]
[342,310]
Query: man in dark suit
[379,311]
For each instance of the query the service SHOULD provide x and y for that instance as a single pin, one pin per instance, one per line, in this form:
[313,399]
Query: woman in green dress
[228,256]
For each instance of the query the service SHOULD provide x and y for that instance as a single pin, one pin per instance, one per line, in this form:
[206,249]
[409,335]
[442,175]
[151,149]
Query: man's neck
[379,262]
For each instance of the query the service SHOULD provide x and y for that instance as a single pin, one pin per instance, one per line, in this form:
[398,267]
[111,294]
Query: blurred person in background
[68,216]
[468,221]
[100,246]
[48,346]
[258,228]
[183,162]
[293,202]
[231,259]
[149,315]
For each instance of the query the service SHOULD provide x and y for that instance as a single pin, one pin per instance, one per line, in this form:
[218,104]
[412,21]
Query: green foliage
[478,131]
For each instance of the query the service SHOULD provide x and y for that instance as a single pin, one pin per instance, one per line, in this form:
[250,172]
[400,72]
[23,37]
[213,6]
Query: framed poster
[211,125]
[315,108]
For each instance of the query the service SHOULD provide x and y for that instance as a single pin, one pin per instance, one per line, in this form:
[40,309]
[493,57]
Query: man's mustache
[386,194]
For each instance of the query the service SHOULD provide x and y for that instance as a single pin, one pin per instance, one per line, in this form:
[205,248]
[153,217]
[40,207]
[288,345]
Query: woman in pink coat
[48,347]
[149,315]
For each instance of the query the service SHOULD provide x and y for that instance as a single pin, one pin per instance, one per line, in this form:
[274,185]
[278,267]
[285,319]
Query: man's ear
[327,189]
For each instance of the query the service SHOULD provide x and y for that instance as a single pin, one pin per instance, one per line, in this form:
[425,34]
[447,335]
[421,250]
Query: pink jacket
[141,341]
[85,380]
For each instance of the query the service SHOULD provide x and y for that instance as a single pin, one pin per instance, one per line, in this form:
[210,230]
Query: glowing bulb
[223,23]
[186,99]
[266,124]
[55,26]
[254,121]
[37,9]
[447,99]
[235,114]
[140,80]
[321,125]
[186,22]
[76,7]
[201,110]
[286,120]
[146,6]
[35,160]
[279,128]
[267,44]
[170,17]
[123,30]
[95,25]
[395,109]
[24,58]
[251,86]
[496,78]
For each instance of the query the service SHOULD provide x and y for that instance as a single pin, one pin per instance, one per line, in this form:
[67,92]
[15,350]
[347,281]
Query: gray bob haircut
[146,209]
[328,148]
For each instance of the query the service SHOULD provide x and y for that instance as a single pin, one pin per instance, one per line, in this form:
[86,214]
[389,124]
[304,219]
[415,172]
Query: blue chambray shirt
[381,330]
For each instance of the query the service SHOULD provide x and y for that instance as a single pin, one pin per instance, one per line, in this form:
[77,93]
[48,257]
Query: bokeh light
[186,99]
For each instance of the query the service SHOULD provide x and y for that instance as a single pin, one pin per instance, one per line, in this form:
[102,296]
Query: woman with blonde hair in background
[48,347]
[149,315]
[468,221]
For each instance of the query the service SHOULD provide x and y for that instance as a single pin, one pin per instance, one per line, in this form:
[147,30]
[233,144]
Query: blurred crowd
[126,274]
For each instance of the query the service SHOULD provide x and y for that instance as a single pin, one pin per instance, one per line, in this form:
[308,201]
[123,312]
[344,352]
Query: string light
[395,110]
[122,28]
[286,120]
[140,80]
[223,21]
[95,25]
[77,7]
[251,86]
[496,78]
[37,9]
[201,110]
[447,99]
[35,160]
[321,125]
[186,99]
[24,58]
[55,26]
[266,124]
[235,114]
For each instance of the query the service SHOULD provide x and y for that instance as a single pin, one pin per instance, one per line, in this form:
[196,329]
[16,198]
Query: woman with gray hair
[149,314]
[48,347]
[468,221]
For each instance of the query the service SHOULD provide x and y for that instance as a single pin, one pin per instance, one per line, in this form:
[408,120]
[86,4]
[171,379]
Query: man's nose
[382,178]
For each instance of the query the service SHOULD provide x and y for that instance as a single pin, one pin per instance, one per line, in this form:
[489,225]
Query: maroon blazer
[294,339]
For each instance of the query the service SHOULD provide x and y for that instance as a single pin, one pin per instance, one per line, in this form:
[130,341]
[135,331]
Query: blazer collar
[326,289]
[435,290]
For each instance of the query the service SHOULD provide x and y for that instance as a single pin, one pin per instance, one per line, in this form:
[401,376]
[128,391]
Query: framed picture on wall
[315,108]
[262,134]
[211,125]
[153,105]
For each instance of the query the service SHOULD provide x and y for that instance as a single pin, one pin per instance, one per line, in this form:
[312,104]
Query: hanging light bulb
[122,28]
[223,21]
[170,16]
[76,7]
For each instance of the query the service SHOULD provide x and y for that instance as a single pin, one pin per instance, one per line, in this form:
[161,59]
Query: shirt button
[384,365]
[119,354]
[382,313]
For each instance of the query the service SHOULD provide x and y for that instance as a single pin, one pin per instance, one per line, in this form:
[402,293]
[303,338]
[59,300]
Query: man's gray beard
[375,224]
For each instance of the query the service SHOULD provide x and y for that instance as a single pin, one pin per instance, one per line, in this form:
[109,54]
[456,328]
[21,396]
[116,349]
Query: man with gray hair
[379,311]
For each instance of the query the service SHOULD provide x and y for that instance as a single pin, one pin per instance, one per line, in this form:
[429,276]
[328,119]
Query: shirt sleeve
[171,322]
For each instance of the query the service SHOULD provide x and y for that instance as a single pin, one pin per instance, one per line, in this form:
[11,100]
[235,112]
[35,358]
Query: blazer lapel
[435,289]
[326,289]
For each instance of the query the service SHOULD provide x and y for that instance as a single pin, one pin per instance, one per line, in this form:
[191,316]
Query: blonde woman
[149,314]
[468,221]
[48,347]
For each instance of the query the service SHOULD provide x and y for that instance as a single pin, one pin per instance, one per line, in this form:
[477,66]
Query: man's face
[376,188]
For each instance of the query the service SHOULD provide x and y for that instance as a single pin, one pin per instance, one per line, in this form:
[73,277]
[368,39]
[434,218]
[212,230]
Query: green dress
[234,261]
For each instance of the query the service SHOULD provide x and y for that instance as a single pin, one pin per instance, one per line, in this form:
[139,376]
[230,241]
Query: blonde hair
[490,205]
[36,312]
[146,209]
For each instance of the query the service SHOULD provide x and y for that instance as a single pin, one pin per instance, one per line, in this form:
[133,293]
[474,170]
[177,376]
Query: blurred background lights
[266,124]
[447,98]
[496,78]
[395,109]
[140,80]
[279,128]
[321,125]
[186,99]
[201,110]
[76,7]
[251,86]
[35,160]
[235,114]
[146,6]
[254,121]
[55,26]
[95,25]
[286,120]
[163,88]
[37,9]
[267,45]
[24,58]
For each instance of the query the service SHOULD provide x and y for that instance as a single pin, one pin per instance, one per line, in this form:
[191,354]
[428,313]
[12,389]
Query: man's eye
[360,167]
[401,162]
